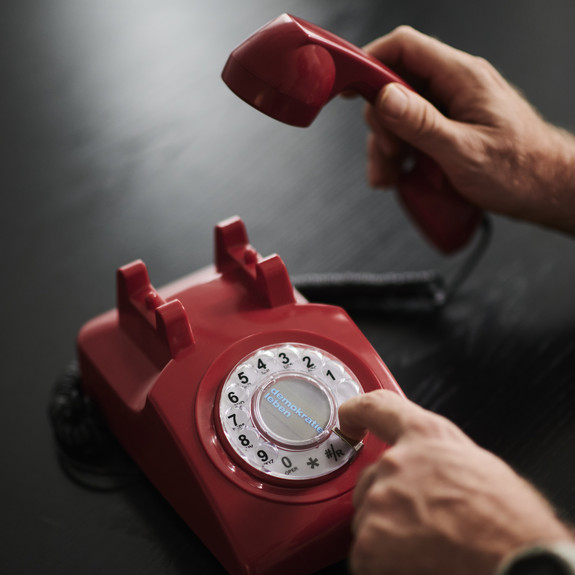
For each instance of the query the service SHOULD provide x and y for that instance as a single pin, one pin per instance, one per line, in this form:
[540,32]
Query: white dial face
[278,408]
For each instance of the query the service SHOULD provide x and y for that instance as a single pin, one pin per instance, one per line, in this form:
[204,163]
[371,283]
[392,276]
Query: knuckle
[404,31]
[485,73]
[483,65]
[425,125]
[370,401]
[390,463]
[431,425]
[380,494]
[363,557]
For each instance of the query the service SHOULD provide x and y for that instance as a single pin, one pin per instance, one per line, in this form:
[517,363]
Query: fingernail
[393,101]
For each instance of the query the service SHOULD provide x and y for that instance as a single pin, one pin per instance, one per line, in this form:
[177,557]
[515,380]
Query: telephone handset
[289,69]
[224,388]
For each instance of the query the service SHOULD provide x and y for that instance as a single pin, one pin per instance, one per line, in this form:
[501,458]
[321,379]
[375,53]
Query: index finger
[384,413]
[416,53]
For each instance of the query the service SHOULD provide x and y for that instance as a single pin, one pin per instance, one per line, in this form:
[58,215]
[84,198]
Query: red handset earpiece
[289,69]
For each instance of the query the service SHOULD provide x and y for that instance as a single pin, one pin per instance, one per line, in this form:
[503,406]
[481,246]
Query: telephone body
[224,388]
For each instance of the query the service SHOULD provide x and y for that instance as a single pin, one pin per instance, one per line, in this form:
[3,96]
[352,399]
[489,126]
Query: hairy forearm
[555,175]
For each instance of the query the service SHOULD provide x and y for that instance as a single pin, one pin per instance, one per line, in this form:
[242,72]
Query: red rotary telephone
[224,388]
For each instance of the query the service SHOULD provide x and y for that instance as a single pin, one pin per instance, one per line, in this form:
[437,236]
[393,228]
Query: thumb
[415,120]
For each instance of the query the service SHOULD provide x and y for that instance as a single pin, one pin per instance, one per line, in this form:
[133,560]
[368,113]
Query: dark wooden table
[119,141]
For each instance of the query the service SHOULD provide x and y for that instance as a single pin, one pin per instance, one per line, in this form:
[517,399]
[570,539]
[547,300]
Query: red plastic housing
[155,366]
[289,69]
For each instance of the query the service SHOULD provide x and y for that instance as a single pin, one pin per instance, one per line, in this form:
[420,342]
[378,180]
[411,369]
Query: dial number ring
[278,408]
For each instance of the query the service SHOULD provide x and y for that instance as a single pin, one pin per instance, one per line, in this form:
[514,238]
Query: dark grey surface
[118,141]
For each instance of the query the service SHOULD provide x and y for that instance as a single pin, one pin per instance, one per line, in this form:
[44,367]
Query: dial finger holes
[278,407]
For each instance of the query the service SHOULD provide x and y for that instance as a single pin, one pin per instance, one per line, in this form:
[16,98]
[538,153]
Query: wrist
[556,558]
[554,182]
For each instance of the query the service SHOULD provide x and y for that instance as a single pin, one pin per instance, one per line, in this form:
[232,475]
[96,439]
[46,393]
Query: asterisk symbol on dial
[313,462]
